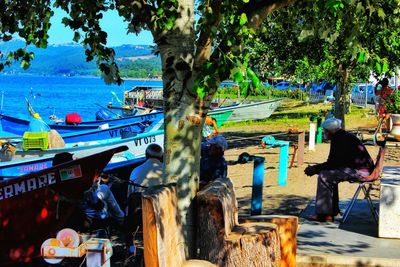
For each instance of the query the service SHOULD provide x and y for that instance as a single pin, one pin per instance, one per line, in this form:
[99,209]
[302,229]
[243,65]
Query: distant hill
[69,60]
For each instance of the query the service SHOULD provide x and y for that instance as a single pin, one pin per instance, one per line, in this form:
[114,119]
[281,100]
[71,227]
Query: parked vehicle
[285,85]
[322,87]
[358,94]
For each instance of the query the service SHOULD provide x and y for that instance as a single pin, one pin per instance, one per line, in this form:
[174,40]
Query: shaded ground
[290,199]
[300,189]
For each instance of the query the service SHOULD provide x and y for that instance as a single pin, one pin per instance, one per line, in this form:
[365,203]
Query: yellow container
[35,140]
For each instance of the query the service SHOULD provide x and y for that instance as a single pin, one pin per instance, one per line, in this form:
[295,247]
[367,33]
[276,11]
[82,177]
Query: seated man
[100,206]
[348,160]
[210,122]
[212,163]
[150,172]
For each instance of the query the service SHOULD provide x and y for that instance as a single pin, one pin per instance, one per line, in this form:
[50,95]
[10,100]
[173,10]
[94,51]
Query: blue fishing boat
[126,130]
[123,120]
[19,126]
[137,146]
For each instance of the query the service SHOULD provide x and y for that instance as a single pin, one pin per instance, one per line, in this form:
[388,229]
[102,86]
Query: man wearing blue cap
[348,160]
[212,163]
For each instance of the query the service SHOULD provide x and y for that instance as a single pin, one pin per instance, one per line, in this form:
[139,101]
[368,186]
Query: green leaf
[244,89]
[381,13]
[77,36]
[201,92]
[160,11]
[385,67]
[305,34]
[238,77]
[7,37]
[361,57]
[378,68]
[243,19]
[169,24]
[25,64]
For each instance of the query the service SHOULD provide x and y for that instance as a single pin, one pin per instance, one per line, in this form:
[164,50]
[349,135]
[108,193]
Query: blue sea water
[60,95]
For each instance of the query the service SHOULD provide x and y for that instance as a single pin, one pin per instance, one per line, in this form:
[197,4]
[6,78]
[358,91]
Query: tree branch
[257,11]
[204,42]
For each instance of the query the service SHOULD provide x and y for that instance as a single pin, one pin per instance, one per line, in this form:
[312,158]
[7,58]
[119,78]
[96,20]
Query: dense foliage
[339,41]
[392,103]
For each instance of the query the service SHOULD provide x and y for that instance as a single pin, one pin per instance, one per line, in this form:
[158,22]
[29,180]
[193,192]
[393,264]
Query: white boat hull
[253,111]
[137,146]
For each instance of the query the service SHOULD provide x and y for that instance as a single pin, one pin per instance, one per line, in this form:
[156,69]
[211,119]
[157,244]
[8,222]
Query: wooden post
[311,139]
[300,151]
[258,182]
[283,162]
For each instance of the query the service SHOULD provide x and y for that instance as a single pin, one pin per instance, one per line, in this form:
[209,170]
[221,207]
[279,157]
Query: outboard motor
[102,115]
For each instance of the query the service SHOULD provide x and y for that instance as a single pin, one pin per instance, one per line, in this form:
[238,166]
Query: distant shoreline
[77,76]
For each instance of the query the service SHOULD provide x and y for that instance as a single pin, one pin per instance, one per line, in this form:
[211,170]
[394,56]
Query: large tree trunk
[342,100]
[182,130]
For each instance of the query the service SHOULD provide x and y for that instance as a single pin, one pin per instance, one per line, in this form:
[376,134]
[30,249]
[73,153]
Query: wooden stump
[162,230]
[223,241]
[287,226]
[162,233]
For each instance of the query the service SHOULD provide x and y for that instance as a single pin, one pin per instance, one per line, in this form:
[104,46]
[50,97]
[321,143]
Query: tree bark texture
[287,226]
[223,241]
[342,100]
[162,229]
[183,124]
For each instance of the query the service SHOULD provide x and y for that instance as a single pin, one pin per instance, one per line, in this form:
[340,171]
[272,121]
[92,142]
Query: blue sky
[111,23]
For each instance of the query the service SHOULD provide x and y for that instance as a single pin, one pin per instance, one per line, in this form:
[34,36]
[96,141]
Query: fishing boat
[136,144]
[123,120]
[145,98]
[251,111]
[131,130]
[18,126]
[32,160]
[37,205]
[139,95]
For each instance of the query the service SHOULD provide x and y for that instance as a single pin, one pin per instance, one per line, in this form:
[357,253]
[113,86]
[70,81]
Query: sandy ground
[300,189]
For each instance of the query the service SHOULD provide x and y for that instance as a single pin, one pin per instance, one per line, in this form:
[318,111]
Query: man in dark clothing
[212,163]
[348,160]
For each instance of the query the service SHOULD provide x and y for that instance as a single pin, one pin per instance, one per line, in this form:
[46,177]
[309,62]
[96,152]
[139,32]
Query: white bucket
[104,126]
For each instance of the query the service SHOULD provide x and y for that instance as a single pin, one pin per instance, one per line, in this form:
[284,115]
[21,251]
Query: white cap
[219,141]
[332,124]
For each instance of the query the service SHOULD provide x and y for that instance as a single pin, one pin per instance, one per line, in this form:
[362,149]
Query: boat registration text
[21,187]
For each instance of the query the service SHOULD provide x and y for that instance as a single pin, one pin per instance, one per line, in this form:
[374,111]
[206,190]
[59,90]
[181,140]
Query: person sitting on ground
[209,121]
[383,92]
[99,205]
[348,160]
[150,172]
[212,162]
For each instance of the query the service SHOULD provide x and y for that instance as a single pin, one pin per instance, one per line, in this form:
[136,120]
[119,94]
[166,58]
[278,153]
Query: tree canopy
[196,55]
[332,40]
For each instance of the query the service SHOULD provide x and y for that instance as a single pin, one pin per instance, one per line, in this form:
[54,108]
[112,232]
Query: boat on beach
[18,126]
[36,205]
[136,144]
[251,111]
[23,165]
[152,96]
